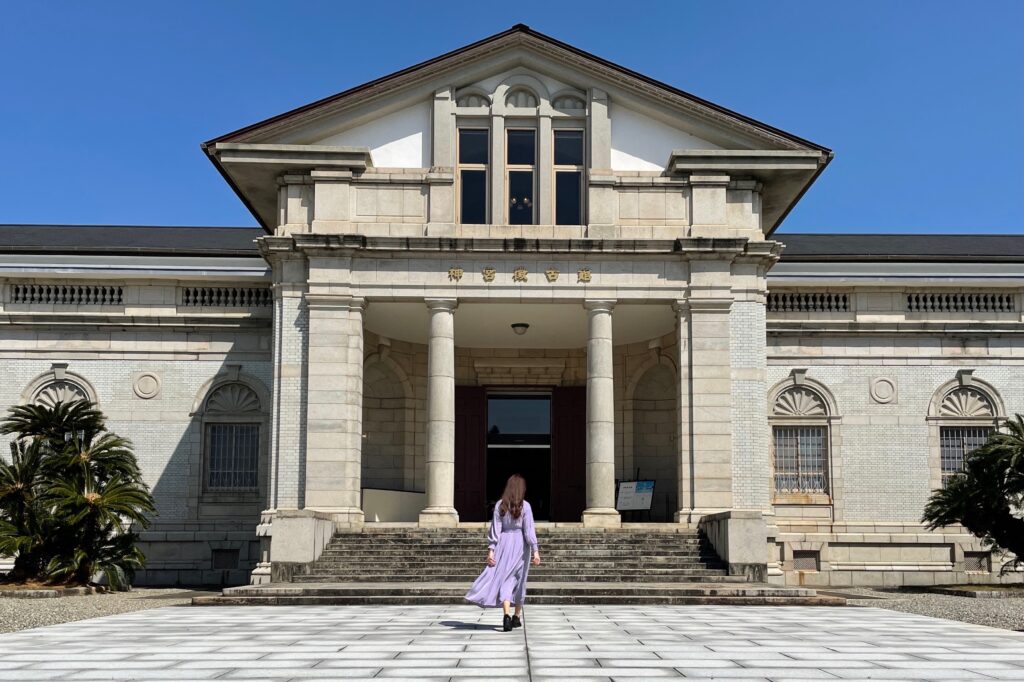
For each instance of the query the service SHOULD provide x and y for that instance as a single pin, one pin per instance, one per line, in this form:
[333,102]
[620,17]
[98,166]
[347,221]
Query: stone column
[440,509]
[600,511]
[685,415]
[334,423]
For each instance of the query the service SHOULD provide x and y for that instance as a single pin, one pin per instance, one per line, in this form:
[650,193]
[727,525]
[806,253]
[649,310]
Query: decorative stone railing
[67,294]
[972,302]
[808,302]
[225,297]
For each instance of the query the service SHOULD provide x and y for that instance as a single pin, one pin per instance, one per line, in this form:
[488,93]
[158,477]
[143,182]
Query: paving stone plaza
[463,642]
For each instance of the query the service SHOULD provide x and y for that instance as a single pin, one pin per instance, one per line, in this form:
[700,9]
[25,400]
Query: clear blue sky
[104,104]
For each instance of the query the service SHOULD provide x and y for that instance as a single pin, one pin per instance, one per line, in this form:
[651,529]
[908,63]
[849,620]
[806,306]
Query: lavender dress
[513,542]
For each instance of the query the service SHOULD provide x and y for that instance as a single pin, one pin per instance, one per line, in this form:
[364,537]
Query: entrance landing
[579,566]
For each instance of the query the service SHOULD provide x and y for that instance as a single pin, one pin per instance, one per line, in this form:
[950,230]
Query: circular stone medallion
[147,385]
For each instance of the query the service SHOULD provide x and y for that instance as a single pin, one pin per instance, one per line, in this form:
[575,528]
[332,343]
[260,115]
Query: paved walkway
[462,642]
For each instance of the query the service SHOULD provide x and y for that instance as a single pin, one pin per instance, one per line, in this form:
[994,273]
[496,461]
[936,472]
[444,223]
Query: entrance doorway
[540,435]
[519,442]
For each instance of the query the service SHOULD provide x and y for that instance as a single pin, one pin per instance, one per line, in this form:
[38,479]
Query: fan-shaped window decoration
[967,402]
[521,98]
[472,100]
[800,402]
[233,425]
[569,103]
[62,390]
[800,451]
[233,398]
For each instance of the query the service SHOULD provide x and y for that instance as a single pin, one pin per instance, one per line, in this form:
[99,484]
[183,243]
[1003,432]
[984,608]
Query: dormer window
[474,163]
[521,166]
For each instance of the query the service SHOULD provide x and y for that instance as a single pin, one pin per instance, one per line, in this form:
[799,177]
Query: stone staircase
[580,566]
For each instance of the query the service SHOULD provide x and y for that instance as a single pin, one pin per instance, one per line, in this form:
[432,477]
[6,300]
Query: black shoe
[506,624]
[516,623]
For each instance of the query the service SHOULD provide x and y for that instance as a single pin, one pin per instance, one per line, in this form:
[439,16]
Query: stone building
[518,256]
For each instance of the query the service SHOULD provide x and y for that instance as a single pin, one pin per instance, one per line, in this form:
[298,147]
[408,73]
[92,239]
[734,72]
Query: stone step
[478,563]
[558,577]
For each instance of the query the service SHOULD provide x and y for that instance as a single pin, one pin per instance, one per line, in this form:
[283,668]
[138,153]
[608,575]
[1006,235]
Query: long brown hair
[512,498]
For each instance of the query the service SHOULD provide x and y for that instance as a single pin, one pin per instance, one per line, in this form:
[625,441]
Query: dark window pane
[472,145]
[520,198]
[522,149]
[518,416]
[568,147]
[234,456]
[474,197]
[568,204]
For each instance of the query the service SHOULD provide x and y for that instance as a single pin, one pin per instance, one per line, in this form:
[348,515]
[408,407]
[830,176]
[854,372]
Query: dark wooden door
[470,452]
[568,453]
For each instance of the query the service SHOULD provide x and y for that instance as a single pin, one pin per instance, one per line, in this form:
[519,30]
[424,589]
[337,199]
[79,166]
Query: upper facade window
[521,165]
[967,416]
[233,422]
[801,421]
[473,156]
[568,177]
[521,152]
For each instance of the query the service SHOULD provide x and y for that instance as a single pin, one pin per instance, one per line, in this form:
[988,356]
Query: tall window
[568,177]
[966,416]
[232,425]
[474,156]
[521,166]
[800,440]
[957,441]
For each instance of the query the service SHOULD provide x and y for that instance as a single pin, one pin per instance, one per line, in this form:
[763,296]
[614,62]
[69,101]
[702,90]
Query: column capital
[681,305]
[335,302]
[603,305]
[441,303]
[710,305]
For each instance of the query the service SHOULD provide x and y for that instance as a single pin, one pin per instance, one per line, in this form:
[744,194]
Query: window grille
[801,459]
[976,302]
[226,297]
[808,302]
[234,456]
[955,442]
[805,560]
[977,562]
[67,294]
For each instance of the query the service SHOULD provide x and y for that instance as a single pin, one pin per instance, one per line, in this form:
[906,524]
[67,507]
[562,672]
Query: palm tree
[988,496]
[71,497]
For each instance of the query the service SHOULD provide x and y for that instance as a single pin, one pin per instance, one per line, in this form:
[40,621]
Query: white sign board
[634,495]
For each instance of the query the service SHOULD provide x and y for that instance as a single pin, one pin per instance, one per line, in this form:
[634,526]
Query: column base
[439,517]
[601,517]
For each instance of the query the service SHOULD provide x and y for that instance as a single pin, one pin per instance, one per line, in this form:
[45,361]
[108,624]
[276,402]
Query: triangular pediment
[392,121]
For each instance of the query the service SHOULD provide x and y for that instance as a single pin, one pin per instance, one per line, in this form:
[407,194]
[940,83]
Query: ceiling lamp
[520,328]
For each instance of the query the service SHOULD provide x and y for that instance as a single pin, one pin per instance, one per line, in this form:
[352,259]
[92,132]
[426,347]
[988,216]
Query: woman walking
[511,541]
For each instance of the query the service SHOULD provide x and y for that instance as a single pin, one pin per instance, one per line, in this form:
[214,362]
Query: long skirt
[506,579]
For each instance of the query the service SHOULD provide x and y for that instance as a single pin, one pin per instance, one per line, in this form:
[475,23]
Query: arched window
[800,440]
[232,431]
[966,412]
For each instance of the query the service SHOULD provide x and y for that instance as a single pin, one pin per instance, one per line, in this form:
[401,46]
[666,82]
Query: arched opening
[384,429]
[655,438]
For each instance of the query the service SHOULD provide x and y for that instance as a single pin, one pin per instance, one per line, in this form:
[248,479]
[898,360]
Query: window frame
[485,167]
[937,420]
[581,169]
[960,426]
[510,168]
[229,419]
[816,496]
[831,421]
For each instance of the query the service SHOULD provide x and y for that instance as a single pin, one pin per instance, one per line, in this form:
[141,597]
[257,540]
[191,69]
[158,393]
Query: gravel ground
[21,614]
[1007,614]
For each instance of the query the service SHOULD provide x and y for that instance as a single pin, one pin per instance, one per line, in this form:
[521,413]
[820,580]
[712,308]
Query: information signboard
[634,495]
